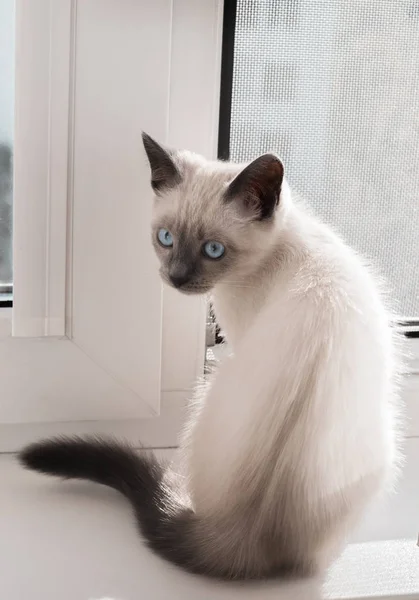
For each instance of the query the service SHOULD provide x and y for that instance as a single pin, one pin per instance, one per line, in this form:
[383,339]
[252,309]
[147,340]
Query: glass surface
[333,87]
[6,140]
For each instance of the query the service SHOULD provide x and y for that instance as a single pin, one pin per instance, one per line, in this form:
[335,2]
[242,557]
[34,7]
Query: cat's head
[211,220]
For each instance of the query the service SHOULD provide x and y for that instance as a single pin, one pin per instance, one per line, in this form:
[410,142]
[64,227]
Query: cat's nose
[179,277]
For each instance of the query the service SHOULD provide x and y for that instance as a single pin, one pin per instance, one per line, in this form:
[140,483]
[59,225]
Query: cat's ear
[164,172]
[257,188]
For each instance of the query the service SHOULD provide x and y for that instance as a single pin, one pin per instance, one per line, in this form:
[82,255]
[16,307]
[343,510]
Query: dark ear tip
[273,163]
[147,139]
[150,143]
[273,157]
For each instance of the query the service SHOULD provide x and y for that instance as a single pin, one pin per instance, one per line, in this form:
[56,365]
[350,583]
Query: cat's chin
[189,290]
[193,291]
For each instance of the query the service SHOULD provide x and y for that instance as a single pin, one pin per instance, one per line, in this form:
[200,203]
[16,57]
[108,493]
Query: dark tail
[170,528]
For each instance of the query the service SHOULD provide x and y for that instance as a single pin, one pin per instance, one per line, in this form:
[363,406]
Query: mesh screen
[333,87]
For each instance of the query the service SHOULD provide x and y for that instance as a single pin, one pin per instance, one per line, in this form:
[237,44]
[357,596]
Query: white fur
[312,329]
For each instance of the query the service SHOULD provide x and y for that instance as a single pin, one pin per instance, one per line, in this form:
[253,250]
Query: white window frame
[37,332]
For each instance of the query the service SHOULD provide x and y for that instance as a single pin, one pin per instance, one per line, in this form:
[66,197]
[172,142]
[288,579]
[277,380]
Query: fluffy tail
[171,529]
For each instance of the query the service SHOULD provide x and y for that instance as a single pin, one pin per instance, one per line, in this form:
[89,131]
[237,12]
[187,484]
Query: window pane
[333,87]
[6,139]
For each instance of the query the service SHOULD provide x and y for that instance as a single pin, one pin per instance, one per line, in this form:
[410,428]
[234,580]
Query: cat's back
[326,316]
[323,275]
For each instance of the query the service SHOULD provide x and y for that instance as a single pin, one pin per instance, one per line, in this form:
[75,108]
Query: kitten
[298,429]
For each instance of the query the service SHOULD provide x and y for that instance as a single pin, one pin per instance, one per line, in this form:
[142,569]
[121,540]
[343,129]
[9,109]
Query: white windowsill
[77,541]
[5,322]
[386,570]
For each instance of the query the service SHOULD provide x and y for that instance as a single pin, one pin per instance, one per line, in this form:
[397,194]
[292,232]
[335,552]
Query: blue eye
[214,250]
[165,238]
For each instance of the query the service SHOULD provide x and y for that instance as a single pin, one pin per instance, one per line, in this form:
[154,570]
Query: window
[6,145]
[92,341]
[333,87]
[319,83]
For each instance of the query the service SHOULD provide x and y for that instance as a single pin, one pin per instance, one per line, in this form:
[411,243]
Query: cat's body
[298,429]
